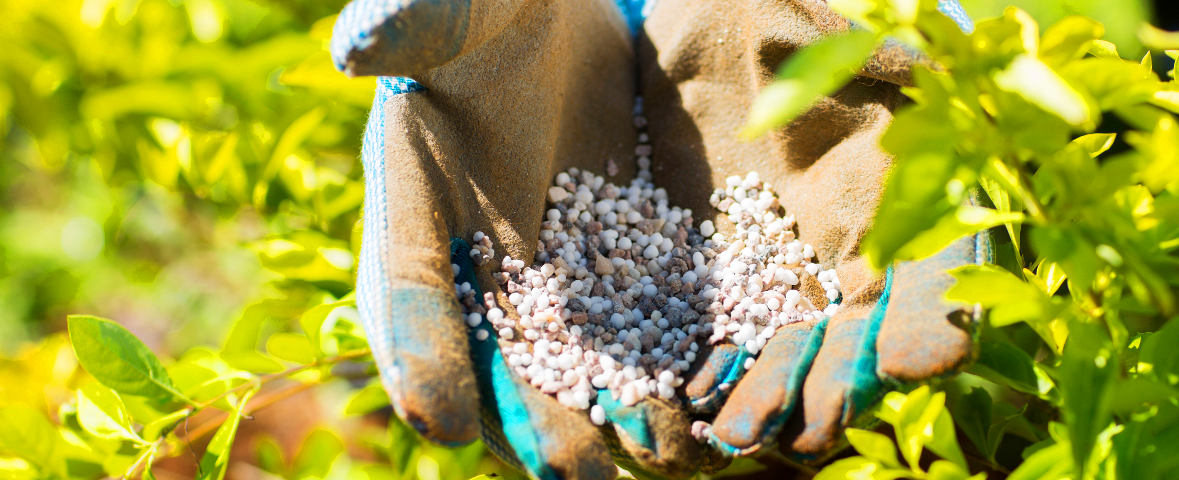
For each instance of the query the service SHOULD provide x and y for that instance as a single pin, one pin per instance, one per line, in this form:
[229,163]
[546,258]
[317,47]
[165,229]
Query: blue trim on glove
[399,85]
[632,419]
[735,369]
[372,288]
[954,10]
[865,384]
[634,12]
[497,383]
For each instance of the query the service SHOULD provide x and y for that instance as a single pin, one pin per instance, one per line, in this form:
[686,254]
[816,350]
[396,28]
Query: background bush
[189,169]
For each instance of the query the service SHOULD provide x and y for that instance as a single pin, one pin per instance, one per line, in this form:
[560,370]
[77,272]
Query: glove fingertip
[397,38]
[917,305]
[710,382]
[425,366]
[655,437]
[759,406]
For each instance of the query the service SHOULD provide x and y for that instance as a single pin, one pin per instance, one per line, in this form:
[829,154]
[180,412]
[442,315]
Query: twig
[254,405]
[262,380]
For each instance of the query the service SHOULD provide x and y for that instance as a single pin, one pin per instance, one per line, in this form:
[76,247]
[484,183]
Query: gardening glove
[504,94]
[702,63]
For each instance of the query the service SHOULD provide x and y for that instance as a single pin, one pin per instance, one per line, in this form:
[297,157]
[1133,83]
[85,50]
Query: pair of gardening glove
[505,94]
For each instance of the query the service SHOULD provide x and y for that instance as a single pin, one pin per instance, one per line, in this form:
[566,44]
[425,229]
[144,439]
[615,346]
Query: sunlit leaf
[1159,39]
[1095,143]
[1051,462]
[858,467]
[160,426]
[314,319]
[873,445]
[215,460]
[119,360]
[817,70]
[964,221]
[1069,39]
[101,412]
[946,470]
[367,399]
[1040,85]
[1009,298]
[292,347]
[27,434]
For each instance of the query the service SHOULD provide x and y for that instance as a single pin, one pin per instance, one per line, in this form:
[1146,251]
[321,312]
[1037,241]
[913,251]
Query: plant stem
[205,428]
[283,374]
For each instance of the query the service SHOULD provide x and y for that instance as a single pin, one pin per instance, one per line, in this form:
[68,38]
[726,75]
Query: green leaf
[1112,82]
[741,466]
[101,412]
[1158,355]
[873,445]
[367,399]
[1002,187]
[966,220]
[117,359]
[1137,394]
[203,375]
[1040,85]
[1069,39]
[973,412]
[1046,464]
[27,434]
[859,468]
[1087,371]
[317,453]
[270,456]
[1103,49]
[1158,39]
[946,470]
[944,440]
[913,201]
[161,426]
[1159,166]
[313,321]
[1095,143]
[215,460]
[1005,364]
[307,255]
[815,71]
[1009,299]
[292,347]
[253,362]
[1069,249]
[295,134]
[1049,275]
[913,423]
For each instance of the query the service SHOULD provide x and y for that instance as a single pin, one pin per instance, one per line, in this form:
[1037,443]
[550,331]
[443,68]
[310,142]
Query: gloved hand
[505,94]
[702,62]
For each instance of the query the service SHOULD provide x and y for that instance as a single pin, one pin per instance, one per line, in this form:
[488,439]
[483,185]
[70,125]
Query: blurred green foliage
[1069,152]
[188,167]
[145,141]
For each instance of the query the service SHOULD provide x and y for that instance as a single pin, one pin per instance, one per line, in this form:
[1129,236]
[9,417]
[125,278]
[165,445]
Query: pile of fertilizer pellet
[625,290]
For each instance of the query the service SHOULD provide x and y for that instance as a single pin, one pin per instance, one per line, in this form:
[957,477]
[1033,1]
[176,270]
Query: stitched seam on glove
[370,273]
